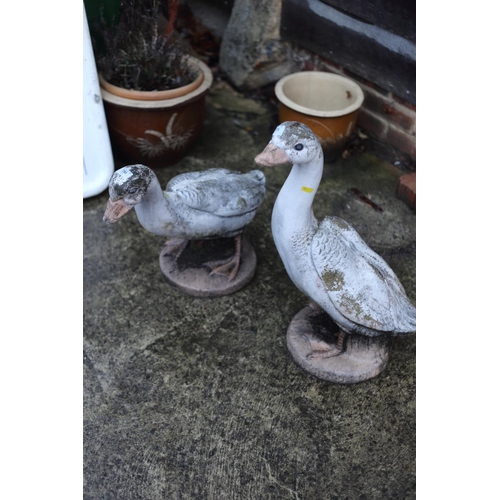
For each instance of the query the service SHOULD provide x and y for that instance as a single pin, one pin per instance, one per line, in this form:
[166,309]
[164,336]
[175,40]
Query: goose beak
[272,156]
[115,210]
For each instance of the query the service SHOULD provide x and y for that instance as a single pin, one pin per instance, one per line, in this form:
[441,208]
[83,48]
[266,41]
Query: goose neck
[153,207]
[294,203]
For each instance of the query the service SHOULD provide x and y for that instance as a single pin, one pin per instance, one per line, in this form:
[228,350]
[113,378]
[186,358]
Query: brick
[363,81]
[402,117]
[309,65]
[326,65]
[404,103]
[372,123]
[401,140]
[374,101]
[407,189]
[389,110]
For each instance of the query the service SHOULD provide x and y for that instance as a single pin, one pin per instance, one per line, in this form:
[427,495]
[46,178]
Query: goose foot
[322,350]
[175,246]
[227,267]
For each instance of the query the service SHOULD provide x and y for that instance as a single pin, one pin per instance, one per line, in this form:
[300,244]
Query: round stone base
[190,276]
[363,357]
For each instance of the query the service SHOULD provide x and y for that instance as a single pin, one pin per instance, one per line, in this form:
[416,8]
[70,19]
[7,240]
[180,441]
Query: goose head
[292,142]
[127,188]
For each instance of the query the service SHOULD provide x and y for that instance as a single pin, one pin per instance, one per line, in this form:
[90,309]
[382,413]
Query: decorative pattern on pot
[167,141]
[327,103]
[161,132]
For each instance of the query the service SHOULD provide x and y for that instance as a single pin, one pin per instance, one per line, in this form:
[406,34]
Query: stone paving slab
[191,398]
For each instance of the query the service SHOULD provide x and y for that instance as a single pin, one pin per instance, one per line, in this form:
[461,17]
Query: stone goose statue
[328,261]
[215,203]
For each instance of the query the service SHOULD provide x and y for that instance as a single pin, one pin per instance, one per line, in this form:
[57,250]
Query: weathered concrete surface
[188,398]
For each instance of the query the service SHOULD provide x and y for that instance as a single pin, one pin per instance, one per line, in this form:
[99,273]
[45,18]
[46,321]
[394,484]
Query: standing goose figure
[215,203]
[330,263]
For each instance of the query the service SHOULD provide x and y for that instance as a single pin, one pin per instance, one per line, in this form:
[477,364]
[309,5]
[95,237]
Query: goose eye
[298,147]
[132,190]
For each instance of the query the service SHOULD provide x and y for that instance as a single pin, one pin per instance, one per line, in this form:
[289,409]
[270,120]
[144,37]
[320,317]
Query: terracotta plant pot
[156,128]
[327,103]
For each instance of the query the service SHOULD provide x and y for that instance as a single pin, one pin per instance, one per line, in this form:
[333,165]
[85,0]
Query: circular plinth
[190,275]
[363,357]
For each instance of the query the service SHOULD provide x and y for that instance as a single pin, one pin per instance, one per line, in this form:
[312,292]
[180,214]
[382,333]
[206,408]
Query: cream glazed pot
[326,102]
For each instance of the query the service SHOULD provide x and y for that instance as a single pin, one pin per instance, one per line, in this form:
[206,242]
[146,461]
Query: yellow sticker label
[307,189]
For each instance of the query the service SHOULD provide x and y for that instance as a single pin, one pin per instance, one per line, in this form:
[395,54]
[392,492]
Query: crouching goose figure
[215,203]
[328,261]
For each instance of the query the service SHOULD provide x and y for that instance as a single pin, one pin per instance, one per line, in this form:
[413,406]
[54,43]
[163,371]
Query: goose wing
[359,283]
[219,191]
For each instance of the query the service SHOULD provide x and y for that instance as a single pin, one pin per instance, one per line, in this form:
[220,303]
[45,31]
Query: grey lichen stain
[129,177]
[334,280]
[167,226]
[242,203]
[355,308]
[290,132]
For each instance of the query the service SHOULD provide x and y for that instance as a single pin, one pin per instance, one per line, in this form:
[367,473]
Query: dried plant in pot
[153,90]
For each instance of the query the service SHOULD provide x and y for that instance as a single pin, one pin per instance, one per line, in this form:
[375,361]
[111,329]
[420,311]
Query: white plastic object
[98,162]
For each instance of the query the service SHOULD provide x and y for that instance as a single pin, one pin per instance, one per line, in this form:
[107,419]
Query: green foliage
[133,52]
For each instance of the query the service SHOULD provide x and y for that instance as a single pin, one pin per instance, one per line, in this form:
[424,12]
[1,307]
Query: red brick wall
[383,114]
